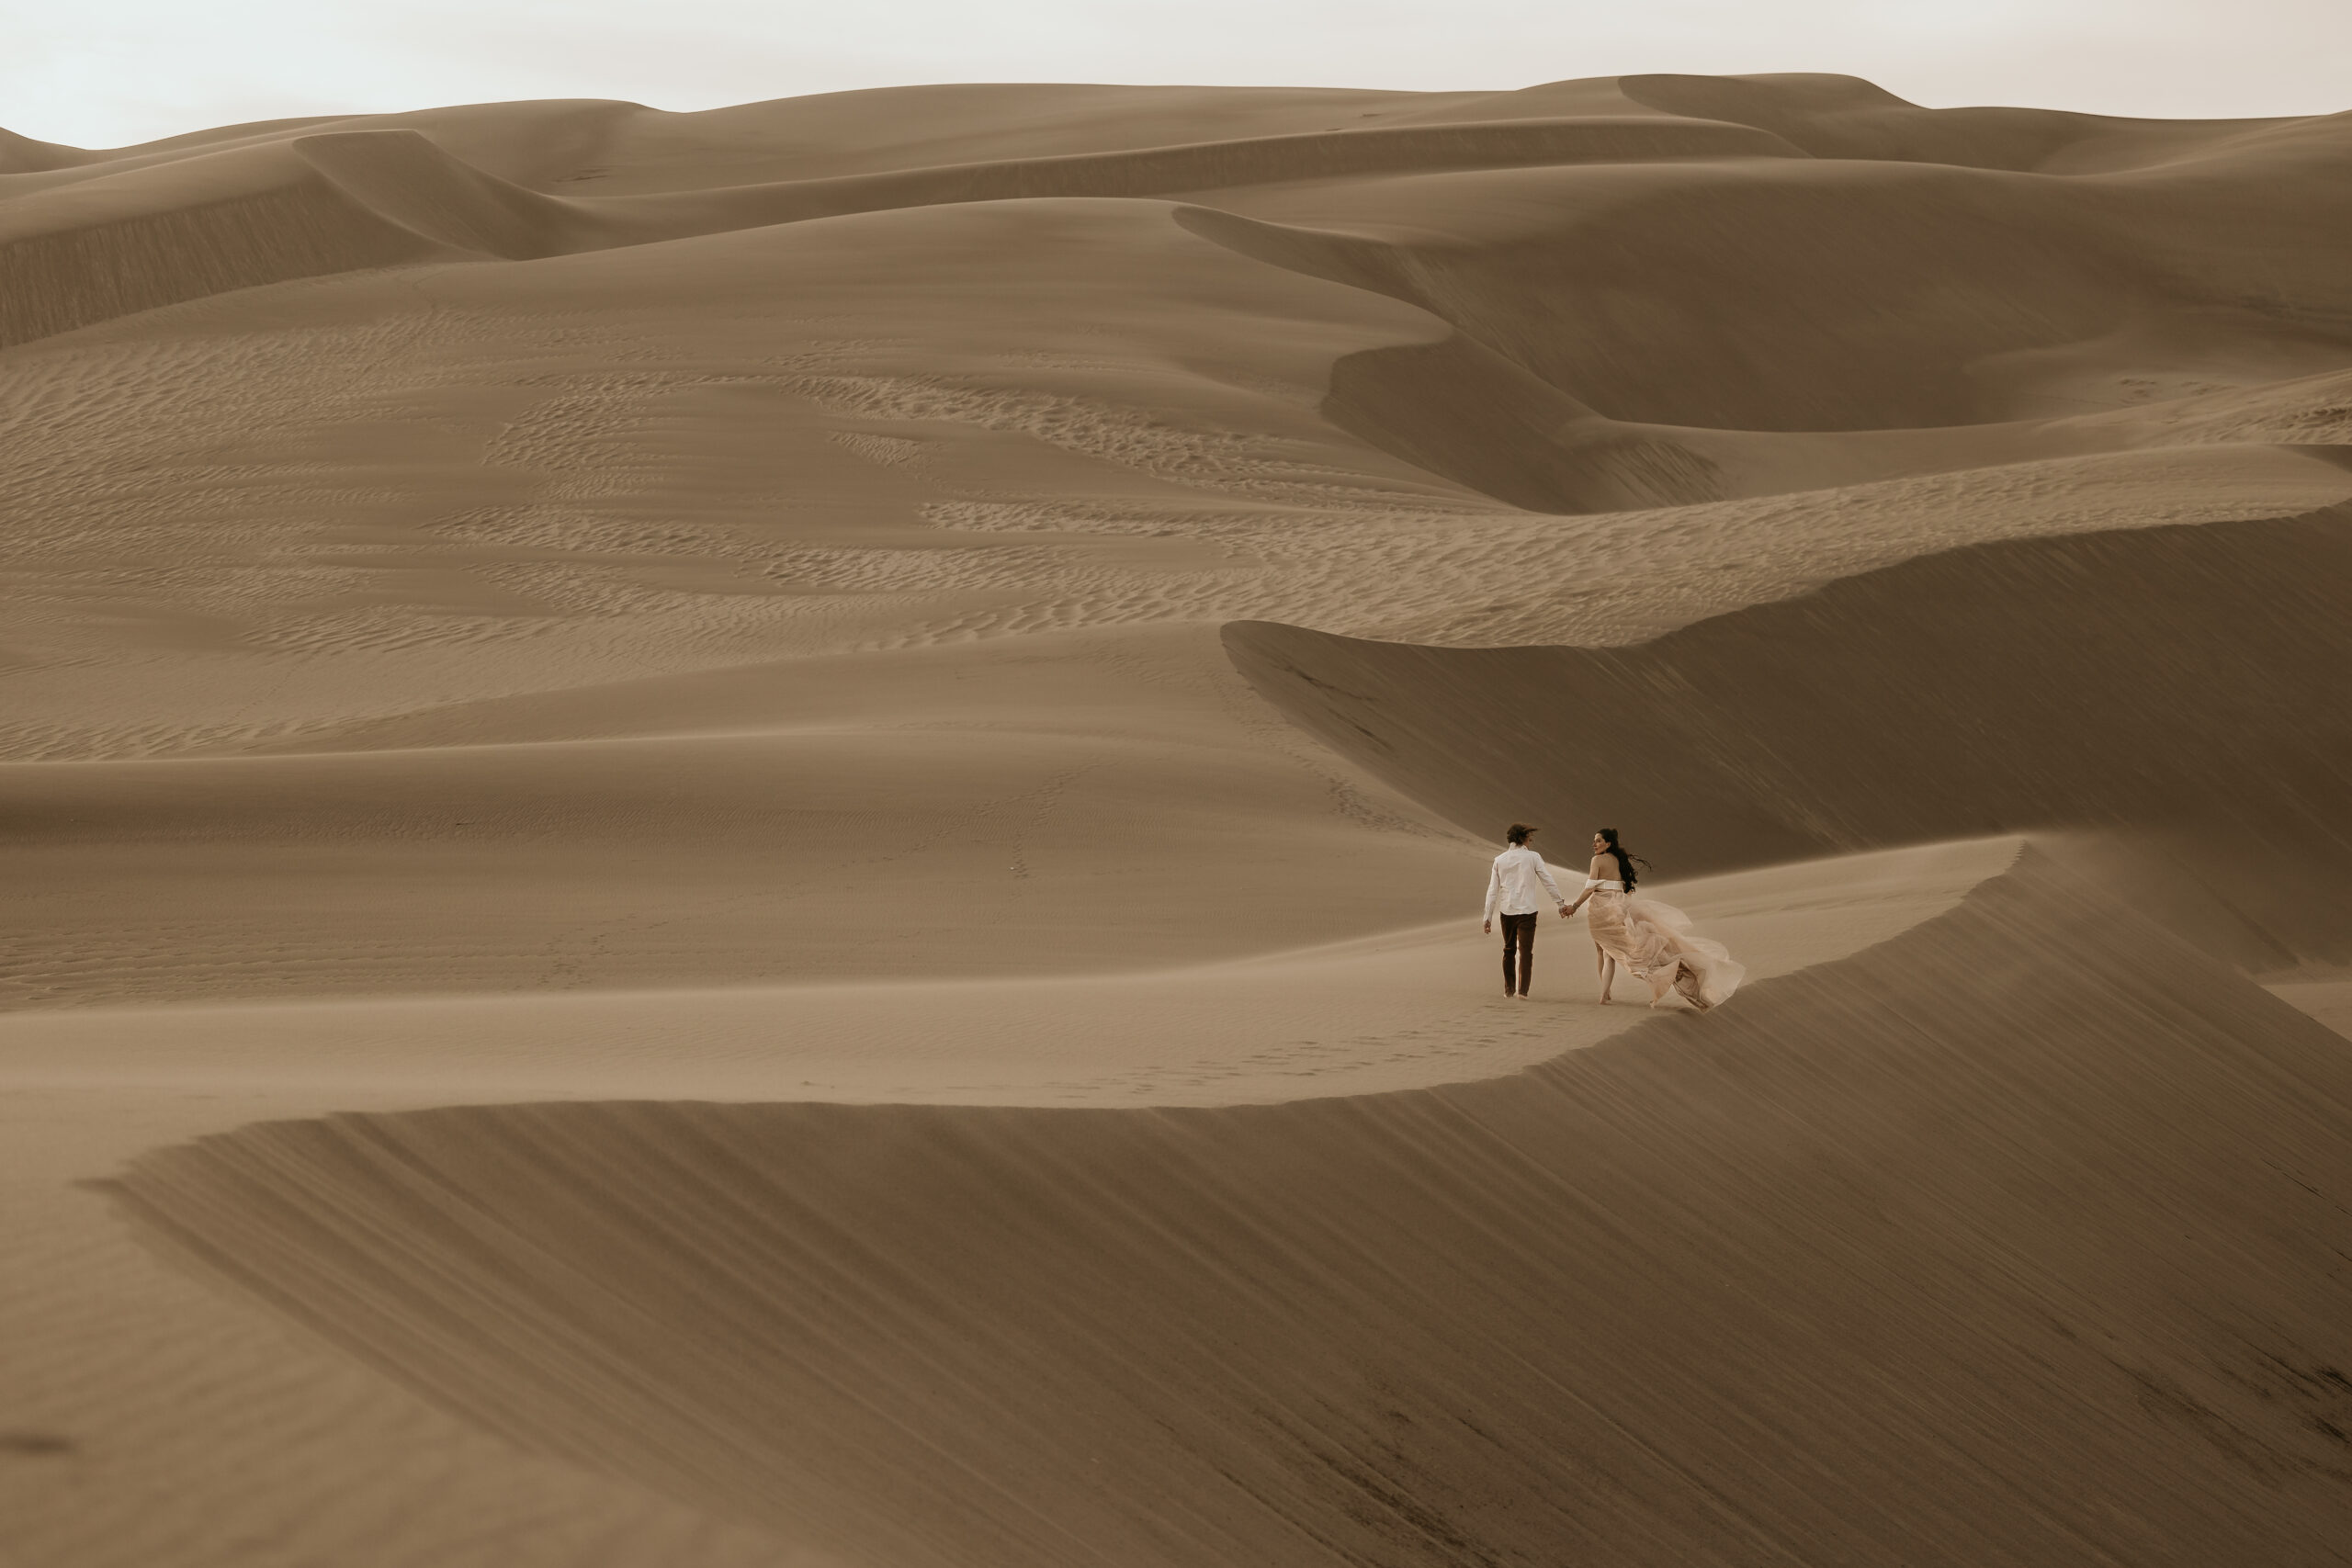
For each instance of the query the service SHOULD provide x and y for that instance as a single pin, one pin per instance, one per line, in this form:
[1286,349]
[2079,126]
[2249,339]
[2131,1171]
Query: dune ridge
[1962,215]
[22,154]
[1889,287]
[2177,686]
[405,176]
[1881,1259]
[1397,1009]
[264,217]
[1844,116]
[90,252]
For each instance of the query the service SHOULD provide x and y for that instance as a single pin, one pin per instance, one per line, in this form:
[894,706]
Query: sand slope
[2180,685]
[149,1383]
[1402,1008]
[1934,1281]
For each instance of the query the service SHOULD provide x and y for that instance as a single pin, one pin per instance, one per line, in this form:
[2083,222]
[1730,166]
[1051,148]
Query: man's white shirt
[1519,872]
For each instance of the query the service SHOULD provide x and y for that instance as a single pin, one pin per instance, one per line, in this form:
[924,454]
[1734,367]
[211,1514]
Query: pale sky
[125,70]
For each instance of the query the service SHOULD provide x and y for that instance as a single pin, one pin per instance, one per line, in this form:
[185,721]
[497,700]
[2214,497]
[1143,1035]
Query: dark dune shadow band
[2017,1239]
[2182,690]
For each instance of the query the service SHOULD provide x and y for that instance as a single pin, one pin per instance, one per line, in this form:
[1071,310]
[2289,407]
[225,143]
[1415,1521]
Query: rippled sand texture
[747,838]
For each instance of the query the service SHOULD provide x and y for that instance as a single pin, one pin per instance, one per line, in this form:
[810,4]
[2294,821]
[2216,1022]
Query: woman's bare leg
[1608,968]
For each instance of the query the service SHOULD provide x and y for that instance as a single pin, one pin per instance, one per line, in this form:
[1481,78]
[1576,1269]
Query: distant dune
[750,838]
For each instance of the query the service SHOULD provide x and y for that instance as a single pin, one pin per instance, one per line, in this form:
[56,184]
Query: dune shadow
[2177,691]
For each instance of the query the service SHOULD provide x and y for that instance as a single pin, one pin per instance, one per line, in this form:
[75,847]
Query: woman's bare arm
[1591,872]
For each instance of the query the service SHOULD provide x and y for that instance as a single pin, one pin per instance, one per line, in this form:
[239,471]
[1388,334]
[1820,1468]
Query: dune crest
[2195,710]
[1934,1281]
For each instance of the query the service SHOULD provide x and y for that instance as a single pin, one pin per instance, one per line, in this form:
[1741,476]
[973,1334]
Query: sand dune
[1843,117]
[22,154]
[478,480]
[194,1391]
[1400,1009]
[751,837]
[88,251]
[755,856]
[2182,686]
[404,176]
[118,242]
[1935,1282]
[1869,212]
[1821,295]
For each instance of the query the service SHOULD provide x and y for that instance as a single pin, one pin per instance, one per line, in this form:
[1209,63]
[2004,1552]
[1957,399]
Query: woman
[1653,940]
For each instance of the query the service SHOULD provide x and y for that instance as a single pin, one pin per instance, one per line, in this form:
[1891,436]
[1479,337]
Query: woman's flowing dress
[1653,940]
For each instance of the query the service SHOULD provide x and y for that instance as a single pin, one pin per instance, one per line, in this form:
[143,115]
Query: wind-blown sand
[750,838]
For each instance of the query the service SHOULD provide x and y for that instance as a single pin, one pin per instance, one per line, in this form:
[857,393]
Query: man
[1519,870]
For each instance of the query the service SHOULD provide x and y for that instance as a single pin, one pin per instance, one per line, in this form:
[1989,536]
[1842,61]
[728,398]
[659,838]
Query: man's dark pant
[1519,937]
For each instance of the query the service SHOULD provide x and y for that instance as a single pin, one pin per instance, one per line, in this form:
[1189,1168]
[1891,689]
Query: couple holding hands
[1653,940]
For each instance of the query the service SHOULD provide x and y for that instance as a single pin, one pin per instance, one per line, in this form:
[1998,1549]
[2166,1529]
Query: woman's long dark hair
[1625,862]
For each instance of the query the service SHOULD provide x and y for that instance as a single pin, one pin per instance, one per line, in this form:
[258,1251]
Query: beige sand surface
[1407,1008]
[2330,1001]
[751,837]
[192,1392]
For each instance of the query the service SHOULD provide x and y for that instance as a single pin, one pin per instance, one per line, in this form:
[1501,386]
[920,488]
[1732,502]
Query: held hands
[1565,910]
